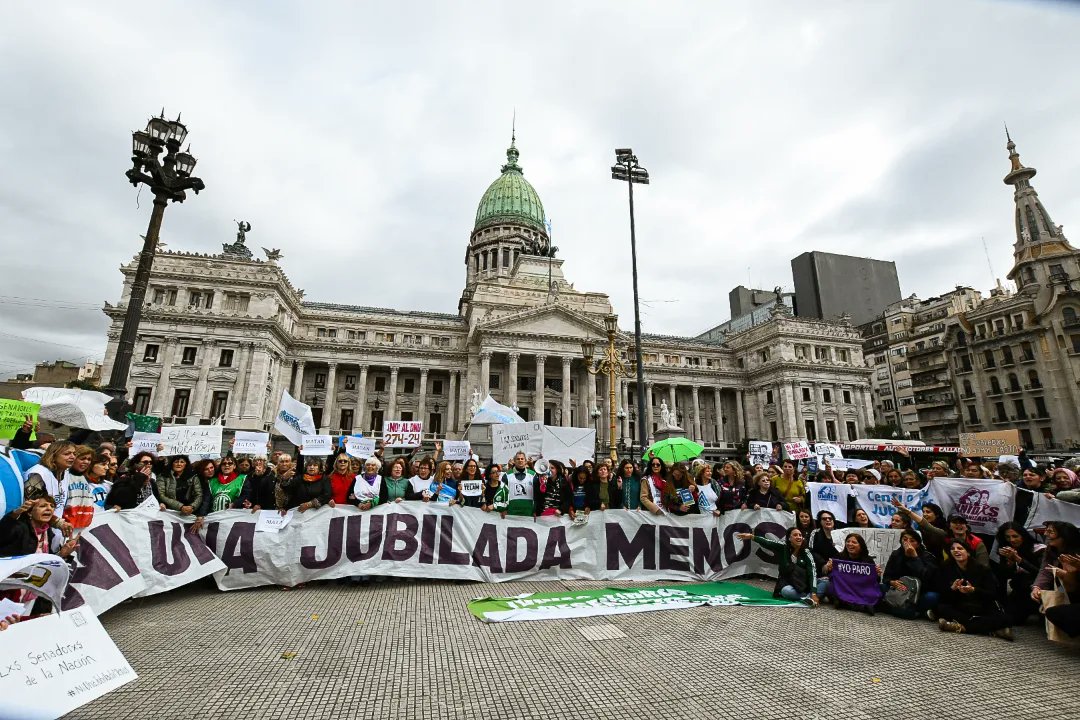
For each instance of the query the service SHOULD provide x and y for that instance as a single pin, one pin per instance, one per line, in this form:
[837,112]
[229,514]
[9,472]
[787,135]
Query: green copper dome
[510,199]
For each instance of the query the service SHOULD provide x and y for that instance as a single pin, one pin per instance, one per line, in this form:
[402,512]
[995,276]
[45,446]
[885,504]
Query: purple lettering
[239,552]
[427,539]
[557,551]
[116,547]
[513,562]
[731,555]
[354,532]
[159,554]
[447,556]
[619,547]
[673,556]
[406,537]
[486,551]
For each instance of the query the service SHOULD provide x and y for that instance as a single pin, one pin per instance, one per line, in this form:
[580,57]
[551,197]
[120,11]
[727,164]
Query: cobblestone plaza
[410,650]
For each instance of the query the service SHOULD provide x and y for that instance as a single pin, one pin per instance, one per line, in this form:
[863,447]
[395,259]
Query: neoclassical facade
[223,335]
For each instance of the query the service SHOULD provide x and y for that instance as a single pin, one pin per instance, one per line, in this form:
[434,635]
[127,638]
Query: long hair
[864,552]
[1069,534]
[663,467]
[200,465]
[442,471]
[683,471]
[940,521]
[1027,544]
[475,474]
[622,466]
[49,458]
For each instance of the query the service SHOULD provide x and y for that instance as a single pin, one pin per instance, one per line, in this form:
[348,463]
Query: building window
[811,430]
[1006,355]
[1021,411]
[999,412]
[436,387]
[406,415]
[506,257]
[350,384]
[188,356]
[842,355]
[1075,339]
[225,358]
[1025,437]
[989,357]
[237,302]
[141,401]
[1033,380]
[772,431]
[1068,315]
[346,420]
[1047,436]
[995,386]
[1040,407]
[384,337]
[768,397]
[821,353]
[435,423]
[377,420]
[220,403]
[321,332]
[408,387]
[851,432]
[493,381]
[1014,382]
[180,402]
[830,429]
[973,415]
[847,397]
[150,353]
[320,380]
[380,384]
[806,397]
[331,332]
[201,299]
[1026,352]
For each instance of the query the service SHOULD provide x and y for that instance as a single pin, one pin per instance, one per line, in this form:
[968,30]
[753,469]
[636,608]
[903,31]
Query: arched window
[995,386]
[1014,382]
[1033,379]
[1068,314]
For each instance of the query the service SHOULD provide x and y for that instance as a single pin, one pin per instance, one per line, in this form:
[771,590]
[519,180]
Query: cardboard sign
[272,521]
[508,440]
[760,452]
[145,442]
[827,451]
[317,445]
[250,443]
[990,444]
[402,433]
[359,447]
[49,666]
[568,443]
[198,442]
[797,450]
[12,415]
[456,450]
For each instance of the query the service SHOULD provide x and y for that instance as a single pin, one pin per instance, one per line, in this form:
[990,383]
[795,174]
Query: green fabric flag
[144,423]
[616,601]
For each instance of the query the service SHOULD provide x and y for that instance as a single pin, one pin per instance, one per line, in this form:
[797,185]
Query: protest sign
[317,445]
[198,442]
[471,488]
[145,442]
[73,407]
[827,452]
[402,433]
[760,452]
[360,447]
[1044,509]
[250,443]
[832,497]
[876,501]
[985,504]
[849,464]
[796,450]
[855,582]
[490,413]
[294,419]
[507,440]
[990,444]
[618,601]
[51,665]
[880,542]
[13,414]
[568,443]
[456,449]
[41,573]
[272,520]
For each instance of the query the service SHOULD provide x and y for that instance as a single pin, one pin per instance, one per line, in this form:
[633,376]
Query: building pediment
[554,320]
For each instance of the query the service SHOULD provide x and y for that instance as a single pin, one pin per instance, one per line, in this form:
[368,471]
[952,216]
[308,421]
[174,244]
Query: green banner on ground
[616,601]
[13,414]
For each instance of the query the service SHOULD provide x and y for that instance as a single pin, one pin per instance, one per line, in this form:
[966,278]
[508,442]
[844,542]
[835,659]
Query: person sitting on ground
[420,483]
[763,495]
[679,495]
[969,593]
[395,486]
[854,550]
[1062,538]
[1066,616]
[311,490]
[259,486]
[136,486]
[860,519]
[960,530]
[1017,566]
[367,486]
[910,562]
[805,522]
[797,579]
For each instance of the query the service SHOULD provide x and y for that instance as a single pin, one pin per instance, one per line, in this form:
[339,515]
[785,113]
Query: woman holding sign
[471,485]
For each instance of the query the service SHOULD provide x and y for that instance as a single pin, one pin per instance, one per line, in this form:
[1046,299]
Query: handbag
[1053,598]
[906,596]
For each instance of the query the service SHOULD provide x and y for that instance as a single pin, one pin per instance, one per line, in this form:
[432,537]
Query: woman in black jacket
[969,596]
[136,486]
[312,490]
[26,530]
[821,542]
[259,485]
[1017,567]
[763,495]
[911,560]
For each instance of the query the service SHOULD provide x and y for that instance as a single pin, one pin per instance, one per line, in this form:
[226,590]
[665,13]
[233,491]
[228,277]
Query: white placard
[145,442]
[41,573]
[402,433]
[569,443]
[760,452]
[272,520]
[849,464]
[150,504]
[456,449]
[317,445]
[359,447]
[796,450]
[471,488]
[49,666]
[880,542]
[509,439]
[250,443]
[198,442]
[827,451]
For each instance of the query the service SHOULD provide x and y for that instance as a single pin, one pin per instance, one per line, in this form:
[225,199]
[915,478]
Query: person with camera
[968,593]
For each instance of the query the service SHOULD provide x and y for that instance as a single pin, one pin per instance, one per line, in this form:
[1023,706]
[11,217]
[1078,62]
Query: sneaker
[950,626]
[931,615]
[1004,634]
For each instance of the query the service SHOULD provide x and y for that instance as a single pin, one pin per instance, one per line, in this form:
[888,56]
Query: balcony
[994,392]
[1027,359]
[919,352]
[1036,386]
[932,383]
[1010,390]
[932,365]
[1000,420]
[964,370]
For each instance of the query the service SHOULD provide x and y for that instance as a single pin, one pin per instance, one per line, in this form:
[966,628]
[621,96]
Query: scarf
[225,479]
[312,478]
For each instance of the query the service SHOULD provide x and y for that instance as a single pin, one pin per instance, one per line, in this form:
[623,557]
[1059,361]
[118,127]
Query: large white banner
[73,407]
[832,497]
[1044,509]
[880,542]
[985,504]
[876,501]
[569,443]
[509,439]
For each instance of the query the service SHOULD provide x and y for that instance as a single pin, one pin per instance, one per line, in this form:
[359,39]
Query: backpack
[905,597]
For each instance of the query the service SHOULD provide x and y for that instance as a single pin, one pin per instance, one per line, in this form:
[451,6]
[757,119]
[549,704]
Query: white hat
[875,473]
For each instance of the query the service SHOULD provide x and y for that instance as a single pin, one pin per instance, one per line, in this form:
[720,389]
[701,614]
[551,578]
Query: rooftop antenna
[513,127]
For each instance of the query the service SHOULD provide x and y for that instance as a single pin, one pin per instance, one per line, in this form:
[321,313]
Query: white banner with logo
[832,497]
[985,504]
[876,501]
[294,419]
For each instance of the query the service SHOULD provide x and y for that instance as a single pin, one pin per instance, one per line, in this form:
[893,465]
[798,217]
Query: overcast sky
[359,142]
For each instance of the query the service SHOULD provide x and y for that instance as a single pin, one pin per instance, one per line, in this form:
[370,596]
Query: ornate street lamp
[626,168]
[609,364]
[168,177]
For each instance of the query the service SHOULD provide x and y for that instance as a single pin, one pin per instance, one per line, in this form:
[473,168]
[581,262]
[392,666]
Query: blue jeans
[790,593]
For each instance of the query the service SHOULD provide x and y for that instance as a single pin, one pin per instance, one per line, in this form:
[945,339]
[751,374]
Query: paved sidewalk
[410,650]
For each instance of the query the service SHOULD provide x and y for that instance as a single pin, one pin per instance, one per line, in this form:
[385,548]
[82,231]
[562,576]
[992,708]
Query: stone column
[452,403]
[868,406]
[485,373]
[421,408]
[298,381]
[841,419]
[672,407]
[199,402]
[791,428]
[512,382]
[819,400]
[590,398]
[719,414]
[539,398]
[648,410]
[236,400]
[328,421]
[463,395]
[566,362]
[160,406]
[740,423]
[391,404]
[256,381]
[697,414]
[360,416]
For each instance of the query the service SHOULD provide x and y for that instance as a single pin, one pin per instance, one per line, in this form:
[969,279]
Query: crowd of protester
[942,571]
